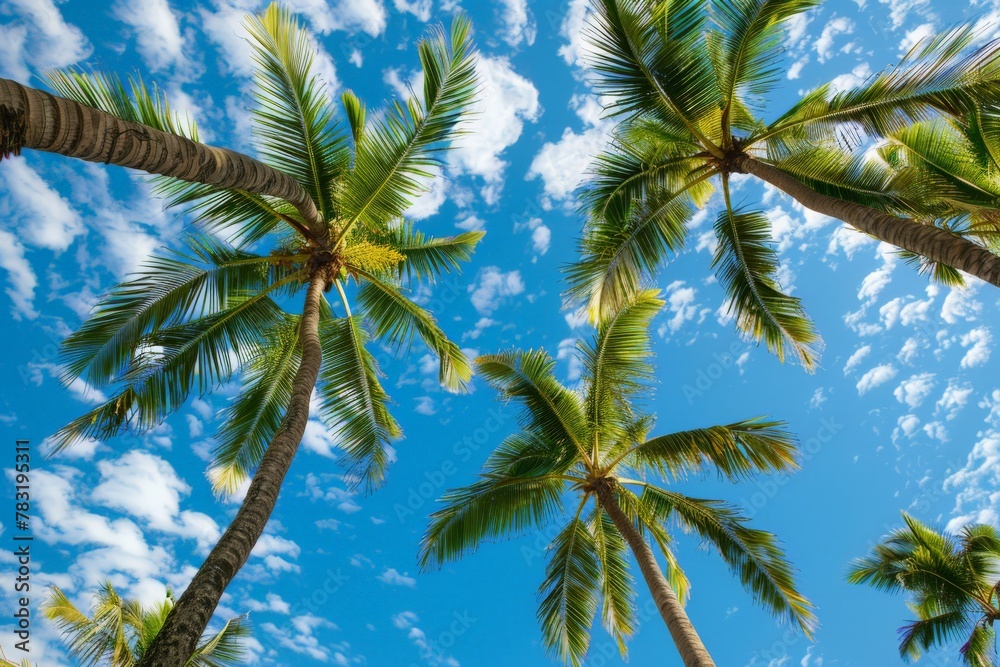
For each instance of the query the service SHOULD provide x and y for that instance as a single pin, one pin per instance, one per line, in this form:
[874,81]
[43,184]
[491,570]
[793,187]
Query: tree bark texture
[928,241]
[183,628]
[31,118]
[692,649]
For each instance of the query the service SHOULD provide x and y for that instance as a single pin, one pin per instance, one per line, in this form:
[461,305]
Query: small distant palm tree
[954,582]
[119,630]
[322,211]
[589,450]
[688,81]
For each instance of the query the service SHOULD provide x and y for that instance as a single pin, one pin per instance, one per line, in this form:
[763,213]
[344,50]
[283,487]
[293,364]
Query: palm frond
[753,555]
[396,319]
[426,257]
[617,585]
[747,267]
[569,592]
[493,507]
[253,418]
[550,409]
[293,121]
[737,450]
[396,151]
[352,401]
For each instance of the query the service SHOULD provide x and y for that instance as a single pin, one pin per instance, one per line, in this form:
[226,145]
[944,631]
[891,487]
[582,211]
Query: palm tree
[687,79]
[954,582]
[590,450]
[119,631]
[191,321]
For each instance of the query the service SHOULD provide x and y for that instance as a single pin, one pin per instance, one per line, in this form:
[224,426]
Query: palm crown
[574,447]
[190,321]
[120,629]
[954,582]
[688,81]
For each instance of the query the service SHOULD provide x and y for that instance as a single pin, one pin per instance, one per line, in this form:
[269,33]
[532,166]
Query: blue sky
[903,413]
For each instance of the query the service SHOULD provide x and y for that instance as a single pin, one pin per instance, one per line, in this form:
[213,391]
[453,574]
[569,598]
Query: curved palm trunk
[925,240]
[691,648]
[178,638]
[31,118]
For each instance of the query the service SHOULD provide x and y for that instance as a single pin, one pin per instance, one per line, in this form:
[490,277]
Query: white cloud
[21,277]
[419,8]
[425,406]
[960,304]
[46,219]
[914,390]
[429,203]
[506,101]
[39,39]
[682,302]
[157,32]
[570,353]
[574,29]
[838,25]
[899,9]
[875,377]
[910,350]
[914,36]
[273,603]
[858,75]
[147,487]
[856,358]
[518,23]
[953,399]
[562,165]
[978,341]
[492,286]
[392,577]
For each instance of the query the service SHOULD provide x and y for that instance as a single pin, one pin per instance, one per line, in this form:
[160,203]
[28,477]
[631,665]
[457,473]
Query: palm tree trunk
[31,118]
[691,648]
[179,636]
[928,241]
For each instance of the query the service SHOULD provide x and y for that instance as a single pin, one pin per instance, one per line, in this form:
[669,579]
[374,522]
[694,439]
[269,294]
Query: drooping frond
[550,409]
[617,585]
[353,403]
[618,255]
[167,291]
[226,648]
[394,154]
[396,318]
[293,121]
[747,268]
[736,451]
[753,555]
[569,592]
[253,417]
[494,507]
[918,636]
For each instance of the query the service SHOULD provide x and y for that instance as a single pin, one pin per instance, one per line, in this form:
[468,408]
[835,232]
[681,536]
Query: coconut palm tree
[226,307]
[688,81]
[954,582]
[589,450]
[119,631]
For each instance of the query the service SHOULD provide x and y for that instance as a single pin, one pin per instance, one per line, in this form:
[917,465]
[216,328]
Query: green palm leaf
[253,418]
[395,152]
[353,403]
[747,268]
[569,592]
[617,585]
[293,119]
[753,555]
[396,319]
